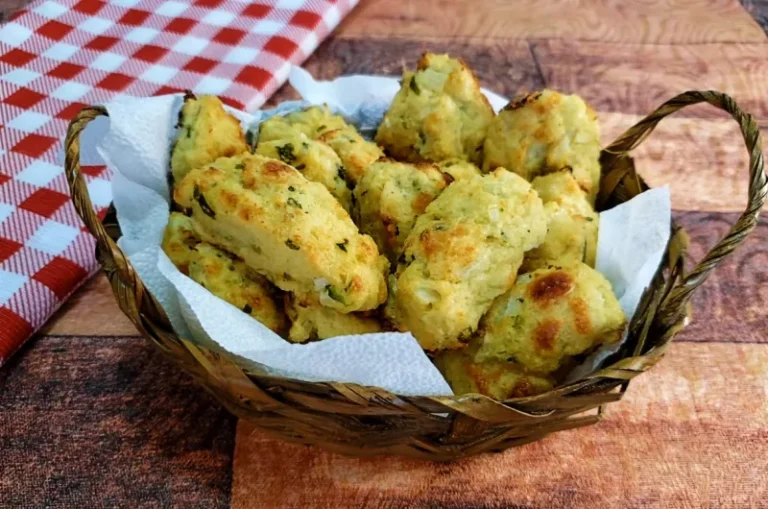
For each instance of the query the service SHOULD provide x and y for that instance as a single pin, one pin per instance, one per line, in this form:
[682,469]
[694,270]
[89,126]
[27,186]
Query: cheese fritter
[439,113]
[318,123]
[312,321]
[355,152]
[221,274]
[231,279]
[389,198]
[546,132]
[573,223]
[462,253]
[287,228]
[180,241]
[496,379]
[312,122]
[206,132]
[458,169]
[315,160]
[549,316]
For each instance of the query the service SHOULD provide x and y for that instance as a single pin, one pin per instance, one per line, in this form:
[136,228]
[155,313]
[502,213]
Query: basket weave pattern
[356,420]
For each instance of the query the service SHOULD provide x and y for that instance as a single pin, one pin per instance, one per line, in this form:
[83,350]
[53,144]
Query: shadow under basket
[365,421]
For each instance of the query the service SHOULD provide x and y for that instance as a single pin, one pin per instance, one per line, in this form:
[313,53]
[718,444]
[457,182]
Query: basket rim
[668,300]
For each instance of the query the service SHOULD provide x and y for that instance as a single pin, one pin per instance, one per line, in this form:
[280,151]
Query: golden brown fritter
[546,132]
[315,160]
[287,228]
[180,241]
[439,113]
[312,122]
[572,232]
[389,198]
[549,316]
[458,169]
[224,276]
[231,279]
[312,321]
[355,152]
[206,132]
[462,253]
[496,379]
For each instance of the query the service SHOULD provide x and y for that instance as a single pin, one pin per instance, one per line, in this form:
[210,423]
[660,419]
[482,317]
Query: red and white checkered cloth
[58,56]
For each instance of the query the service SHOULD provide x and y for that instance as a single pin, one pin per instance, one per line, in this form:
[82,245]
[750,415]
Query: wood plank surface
[692,432]
[107,422]
[646,21]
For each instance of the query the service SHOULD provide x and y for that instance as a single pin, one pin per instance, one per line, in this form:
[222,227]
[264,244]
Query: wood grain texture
[689,433]
[702,160]
[632,78]
[107,422]
[92,310]
[647,21]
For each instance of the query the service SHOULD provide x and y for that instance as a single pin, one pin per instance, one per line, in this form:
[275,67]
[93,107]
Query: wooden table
[91,416]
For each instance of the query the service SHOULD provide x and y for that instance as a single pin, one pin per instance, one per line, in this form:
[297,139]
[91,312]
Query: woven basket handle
[128,286]
[673,309]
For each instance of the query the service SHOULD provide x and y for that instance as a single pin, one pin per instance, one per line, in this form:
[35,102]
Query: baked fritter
[221,274]
[439,113]
[231,279]
[496,379]
[315,160]
[206,132]
[318,123]
[180,241]
[312,122]
[312,321]
[287,228]
[549,316]
[389,198]
[462,253]
[546,132]
[458,169]
[573,223]
[355,152]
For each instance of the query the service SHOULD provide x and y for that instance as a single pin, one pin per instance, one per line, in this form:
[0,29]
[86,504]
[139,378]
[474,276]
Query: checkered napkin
[58,56]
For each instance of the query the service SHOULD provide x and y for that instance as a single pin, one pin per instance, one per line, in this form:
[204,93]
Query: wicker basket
[356,420]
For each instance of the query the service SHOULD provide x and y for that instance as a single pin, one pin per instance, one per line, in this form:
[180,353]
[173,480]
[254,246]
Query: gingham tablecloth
[58,56]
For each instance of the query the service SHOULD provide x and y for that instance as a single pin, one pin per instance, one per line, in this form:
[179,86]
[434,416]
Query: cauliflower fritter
[389,198]
[496,379]
[546,132]
[221,274]
[180,241]
[312,321]
[206,132]
[231,279]
[462,253]
[573,223]
[458,169]
[439,113]
[355,152]
[287,228]
[549,316]
[315,160]
[312,122]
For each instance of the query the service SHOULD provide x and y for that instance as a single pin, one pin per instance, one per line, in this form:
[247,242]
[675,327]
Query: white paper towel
[136,147]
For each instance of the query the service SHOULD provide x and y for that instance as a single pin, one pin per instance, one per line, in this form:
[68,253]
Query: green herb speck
[292,245]
[198,196]
[247,309]
[291,188]
[240,166]
[343,245]
[334,294]
[293,203]
[286,153]
[414,86]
